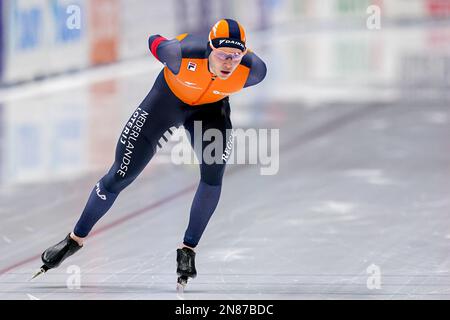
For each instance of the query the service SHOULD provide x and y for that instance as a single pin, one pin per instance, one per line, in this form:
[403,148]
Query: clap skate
[55,255]
[185,267]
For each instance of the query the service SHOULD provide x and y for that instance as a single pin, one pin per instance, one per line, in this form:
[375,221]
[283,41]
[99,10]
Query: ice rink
[363,181]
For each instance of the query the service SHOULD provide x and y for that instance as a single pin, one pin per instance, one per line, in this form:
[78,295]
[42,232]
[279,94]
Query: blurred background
[359,90]
[318,51]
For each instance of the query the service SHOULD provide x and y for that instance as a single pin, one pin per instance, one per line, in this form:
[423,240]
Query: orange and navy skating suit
[184,93]
[187,73]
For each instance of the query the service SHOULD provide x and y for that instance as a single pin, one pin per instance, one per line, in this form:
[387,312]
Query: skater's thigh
[138,140]
[133,152]
[216,143]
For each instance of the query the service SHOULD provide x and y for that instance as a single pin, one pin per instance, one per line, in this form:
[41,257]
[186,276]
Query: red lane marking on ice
[143,210]
[113,224]
[314,133]
[19,264]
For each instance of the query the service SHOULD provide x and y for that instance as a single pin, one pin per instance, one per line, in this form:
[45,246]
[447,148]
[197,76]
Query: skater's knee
[116,184]
[213,175]
[212,180]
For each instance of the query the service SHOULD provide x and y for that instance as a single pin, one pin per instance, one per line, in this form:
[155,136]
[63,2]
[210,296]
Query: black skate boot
[55,255]
[185,266]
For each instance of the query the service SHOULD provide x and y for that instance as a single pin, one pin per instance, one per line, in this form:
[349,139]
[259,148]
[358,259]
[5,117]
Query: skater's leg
[109,186]
[79,240]
[208,191]
[136,146]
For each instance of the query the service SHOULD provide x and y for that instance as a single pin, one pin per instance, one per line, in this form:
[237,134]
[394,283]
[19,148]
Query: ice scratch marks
[371,176]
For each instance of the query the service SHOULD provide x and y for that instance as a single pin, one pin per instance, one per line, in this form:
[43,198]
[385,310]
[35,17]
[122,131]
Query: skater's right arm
[166,51]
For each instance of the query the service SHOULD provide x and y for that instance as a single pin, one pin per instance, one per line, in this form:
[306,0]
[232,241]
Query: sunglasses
[223,56]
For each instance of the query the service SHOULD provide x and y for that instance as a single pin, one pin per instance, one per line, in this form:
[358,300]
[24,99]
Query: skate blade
[42,270]
[180,288]
[181,284]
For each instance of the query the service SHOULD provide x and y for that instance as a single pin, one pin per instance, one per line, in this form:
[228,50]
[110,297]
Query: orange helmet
[227,33]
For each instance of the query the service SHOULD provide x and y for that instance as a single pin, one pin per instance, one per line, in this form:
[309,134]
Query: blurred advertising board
[38,40]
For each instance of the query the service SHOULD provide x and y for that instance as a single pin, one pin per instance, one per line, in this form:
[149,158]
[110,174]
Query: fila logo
[192,66]
[101,196]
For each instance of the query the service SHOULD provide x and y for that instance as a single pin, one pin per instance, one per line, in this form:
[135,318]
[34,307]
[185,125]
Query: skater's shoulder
[251,59]
[192,46]
[258,68]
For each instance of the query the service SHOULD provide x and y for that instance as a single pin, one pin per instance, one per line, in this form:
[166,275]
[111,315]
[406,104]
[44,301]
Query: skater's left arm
[258,69]
[166,51]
